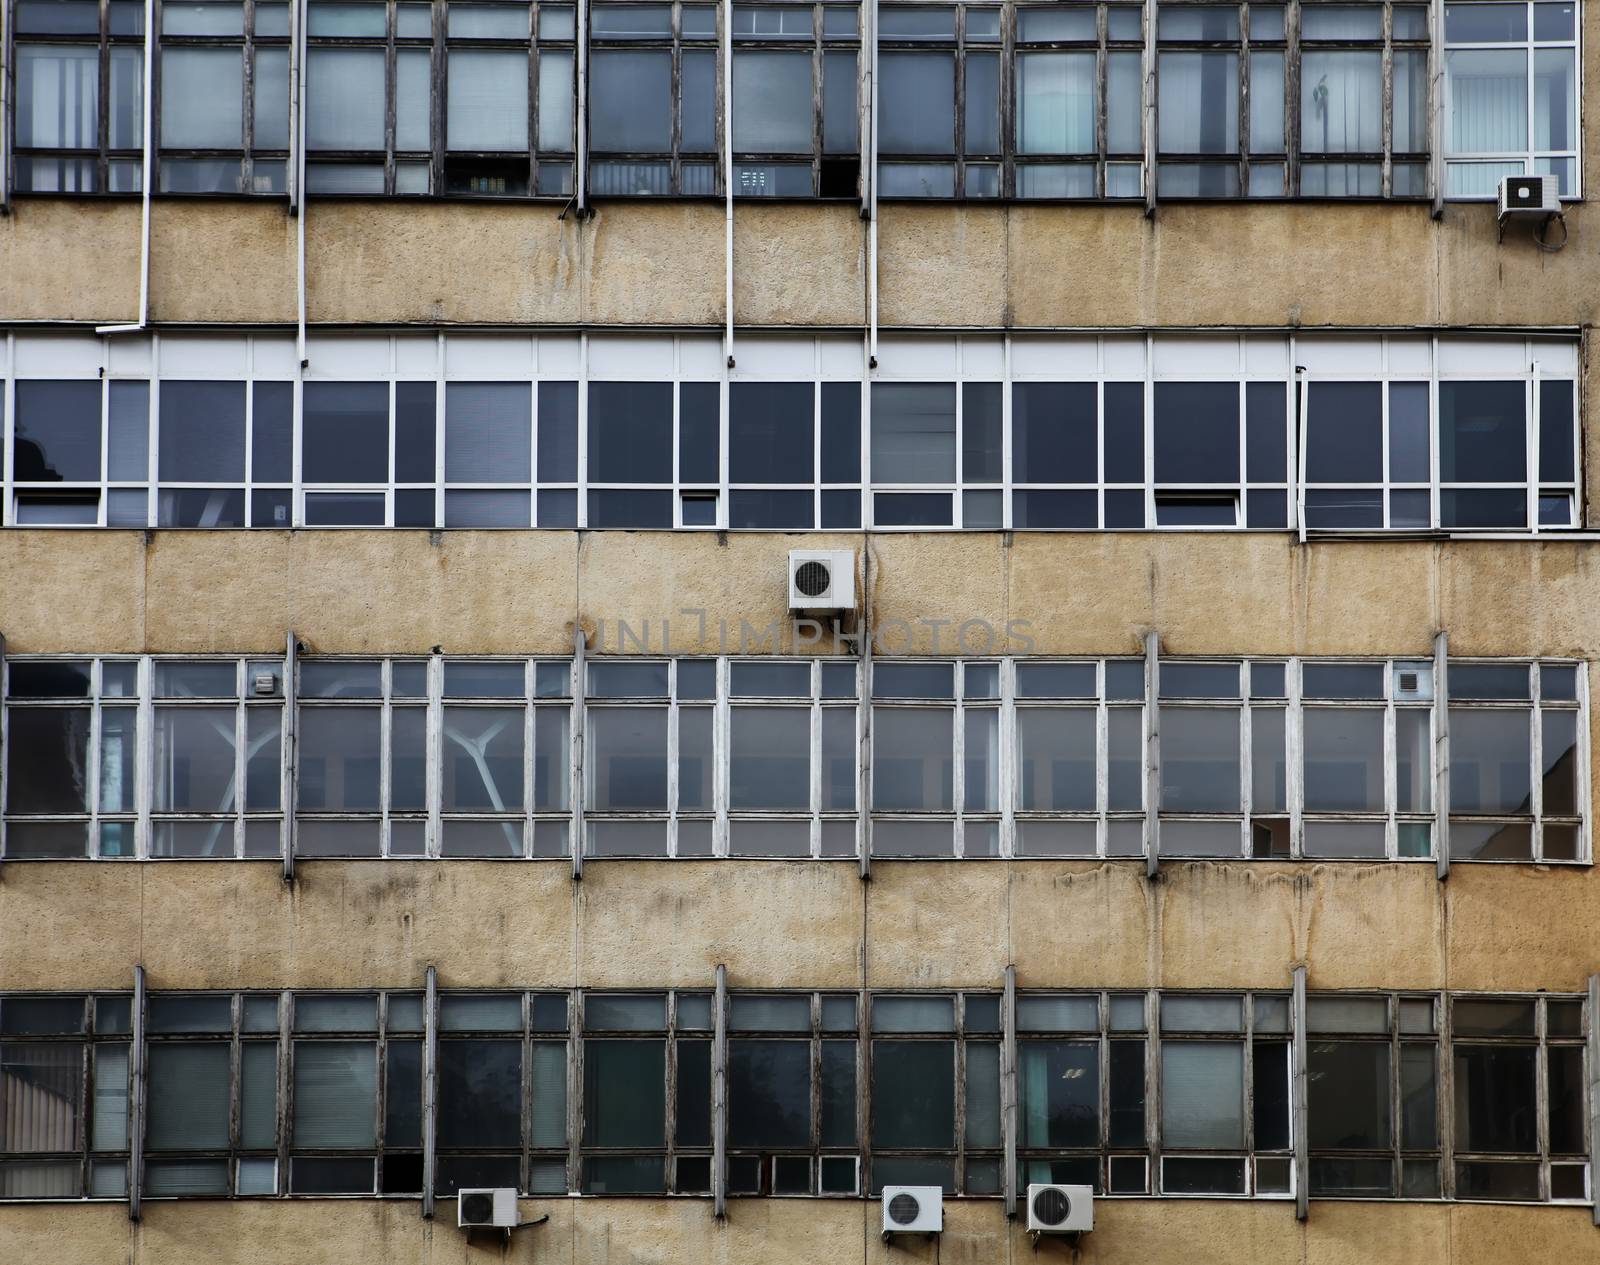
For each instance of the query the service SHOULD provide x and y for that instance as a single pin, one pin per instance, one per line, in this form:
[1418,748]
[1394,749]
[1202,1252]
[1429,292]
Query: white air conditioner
[1413,681]
[1060,1209]
[822,579]
[913,1210]
[493,1209]
[1530,195]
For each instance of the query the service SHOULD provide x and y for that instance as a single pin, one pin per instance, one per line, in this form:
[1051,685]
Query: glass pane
[1055,100]
[1555,98]
[1343,760]
[1056,759]
[912,759]
[1341,100]
[1559,755]
[1349,1095]
[624,1093]
[1200,759]
[480,1094]
[202,97]
[629,756]
[770,432]
[630,99]
[339,754]
[1495,1098]
[189,1093]
[487,107]
[335,1094]
[769,1093]
[345,432]
[258,1095]
[1198,102]
[52,1072]
[47,760]
[769,765]
[1490,758]
[918,103]
[1059,1088]
[913,1094]
[58,97]
[344,96]
[913,433]
[487,432]
[772,102]
[1202,1094]
[194,760]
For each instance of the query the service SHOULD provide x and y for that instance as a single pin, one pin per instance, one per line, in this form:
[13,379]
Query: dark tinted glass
[1495,1102]
[1196,432]
[913,432]
[202,431]
[480,1093]
[630,433]
[1483,507]
[699,432]
[1566,1099]
[486,433]
[1124,434]
[1271,1101]
[694,1093]
[1409,444]
[272,434]
[48,680]
[1126,1086]
[1344,443]
[57,432]
[41,1016]
[913,1094]
[981,425]
[403,1094]
[1054,508]
[624,1085]
[345,432]
[1266,445]
[414,432]
[838,1093]
[1349,1088]
[770,507]
[1060,1084]
[1555,431]
[1482,432]
[841,436]
[770,432]
[627,508]
[47,761]
[769,1093]
[1053,432]
[558,432]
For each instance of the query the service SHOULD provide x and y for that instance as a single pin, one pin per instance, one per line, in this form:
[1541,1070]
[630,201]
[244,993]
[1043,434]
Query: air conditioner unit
[1060,1209]
[492,1209]
[913,1210]
[822,579]
[1413,681]
[1530,195]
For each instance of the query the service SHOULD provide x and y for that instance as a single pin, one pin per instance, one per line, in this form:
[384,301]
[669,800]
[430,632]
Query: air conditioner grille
[812,579]
[904,1209]
[1051,1206]
[477,1209]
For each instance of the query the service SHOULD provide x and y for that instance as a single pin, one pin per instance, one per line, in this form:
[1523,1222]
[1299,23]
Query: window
[212,140]
[1511,94]
[1081,1091]
[1516,762]
[504,125]
[792,1114]
[81,453]
[64,1093]
[783,61]
[1225,761]
[653,94]
[74,759]
[1372,1078]
[936,1061]
[211,1125]
[634,807]
[636,432]
[484,1059]
[1519,1102]
[78,117]
[1225,1095]
[643,1066]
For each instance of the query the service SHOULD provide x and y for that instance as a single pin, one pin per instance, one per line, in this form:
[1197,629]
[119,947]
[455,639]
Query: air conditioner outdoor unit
[1530,195]
[1060,1209]
[912,1210]
[492,1209]
[822,579]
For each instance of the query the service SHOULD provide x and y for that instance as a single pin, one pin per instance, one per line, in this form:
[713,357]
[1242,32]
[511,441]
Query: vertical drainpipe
[1008,1088]
[1298,1103]
[1152,756]
[575,842]
[291,730]
[1594,1093]
[727,181]
[5,113]
[719,1097]
[2,743]
[298,163]
[1441,752]
[1150,108]
[136,1091]
[146,171]
[864,760]
[870,209]
[430,1087]
[580,185]
[1436,108]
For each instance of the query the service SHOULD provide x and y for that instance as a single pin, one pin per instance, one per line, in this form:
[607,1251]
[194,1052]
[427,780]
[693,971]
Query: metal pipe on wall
[146,168]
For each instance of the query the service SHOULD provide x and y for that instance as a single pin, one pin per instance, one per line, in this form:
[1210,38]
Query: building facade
[417,774]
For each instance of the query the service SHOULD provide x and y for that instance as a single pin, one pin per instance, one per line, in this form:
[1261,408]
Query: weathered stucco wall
[795,264]
[793,1232]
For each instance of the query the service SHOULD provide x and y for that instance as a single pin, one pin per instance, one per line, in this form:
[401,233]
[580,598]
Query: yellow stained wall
[793,1232]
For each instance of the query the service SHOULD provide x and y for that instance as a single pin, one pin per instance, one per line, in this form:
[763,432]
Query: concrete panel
[1227,925]
[1342,588]
[1361,923]
[1081,924]
[949,266]
[1073,592]
[1512,282]
[973,572]
[72,925]
[772,923]
[768,244]
[223,261]
[70,260]
[246,591]
[77,591]
[447,262]
[1510,922]
[470,592]
[656,264]
[936,925]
